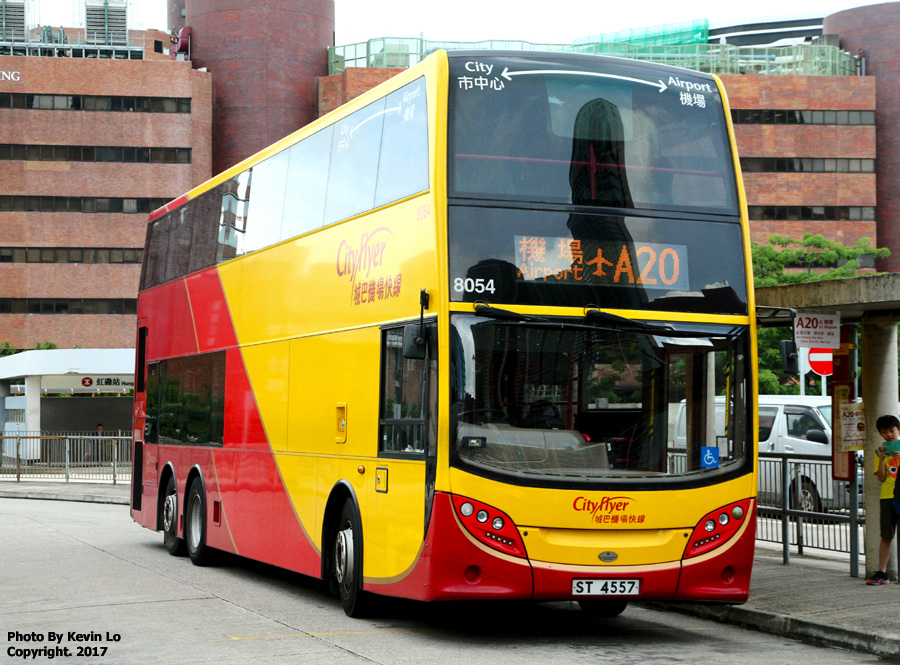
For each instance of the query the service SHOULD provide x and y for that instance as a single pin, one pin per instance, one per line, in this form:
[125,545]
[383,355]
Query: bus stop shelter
[26,376]
[873,301]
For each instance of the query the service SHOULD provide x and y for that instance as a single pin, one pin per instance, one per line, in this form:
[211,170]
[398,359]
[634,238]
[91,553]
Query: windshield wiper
[484,309]
[621,323]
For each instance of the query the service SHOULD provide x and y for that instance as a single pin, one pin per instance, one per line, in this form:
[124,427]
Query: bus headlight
[717,528]
[476,518]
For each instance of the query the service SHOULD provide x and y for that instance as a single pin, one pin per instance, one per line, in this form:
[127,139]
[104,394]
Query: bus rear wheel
[174,544]
[606,608]
[195,524]
[347,562]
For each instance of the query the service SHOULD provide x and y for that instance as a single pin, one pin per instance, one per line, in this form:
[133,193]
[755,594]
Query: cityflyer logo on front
[608,509]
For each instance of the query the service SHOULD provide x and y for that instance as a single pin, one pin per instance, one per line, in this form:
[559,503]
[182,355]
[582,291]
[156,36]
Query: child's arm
[880,468]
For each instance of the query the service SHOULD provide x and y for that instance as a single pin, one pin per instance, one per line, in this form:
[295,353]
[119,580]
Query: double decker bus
[433,344]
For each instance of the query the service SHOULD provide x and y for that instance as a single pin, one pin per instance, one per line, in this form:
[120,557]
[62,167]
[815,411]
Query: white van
[788,424]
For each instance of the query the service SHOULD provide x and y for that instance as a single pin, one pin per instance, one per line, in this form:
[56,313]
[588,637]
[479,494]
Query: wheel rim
[807,503]
[169,513]
[343,557]
[195,515]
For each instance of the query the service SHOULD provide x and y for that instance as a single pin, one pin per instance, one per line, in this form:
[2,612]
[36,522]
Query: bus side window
[151,429]
[403,164]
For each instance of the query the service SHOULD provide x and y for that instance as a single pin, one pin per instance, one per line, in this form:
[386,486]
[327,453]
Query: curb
[814,632]
[52,496]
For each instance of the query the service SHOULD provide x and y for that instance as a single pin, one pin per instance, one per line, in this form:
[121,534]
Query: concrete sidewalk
[72,491]
[813,599]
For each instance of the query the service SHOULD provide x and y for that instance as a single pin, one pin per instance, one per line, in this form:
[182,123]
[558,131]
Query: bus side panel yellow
[328,373]
[355,273]
[394,522]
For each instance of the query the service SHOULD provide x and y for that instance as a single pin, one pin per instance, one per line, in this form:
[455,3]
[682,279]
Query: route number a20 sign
[818,329]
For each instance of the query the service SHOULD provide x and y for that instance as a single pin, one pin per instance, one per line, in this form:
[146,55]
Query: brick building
[91,142]
[807,147]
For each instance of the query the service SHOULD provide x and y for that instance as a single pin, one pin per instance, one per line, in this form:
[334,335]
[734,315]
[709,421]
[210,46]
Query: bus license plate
[606,587]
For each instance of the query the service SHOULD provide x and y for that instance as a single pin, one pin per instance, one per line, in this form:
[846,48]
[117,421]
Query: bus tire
[607,608]
[348,559]
[195,524]
[174,544]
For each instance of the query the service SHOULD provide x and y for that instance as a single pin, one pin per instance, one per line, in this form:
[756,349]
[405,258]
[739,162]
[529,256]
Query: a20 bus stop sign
[821,361]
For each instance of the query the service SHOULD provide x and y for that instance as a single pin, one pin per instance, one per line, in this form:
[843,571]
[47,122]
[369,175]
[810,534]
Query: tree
[788,261]
[7,349]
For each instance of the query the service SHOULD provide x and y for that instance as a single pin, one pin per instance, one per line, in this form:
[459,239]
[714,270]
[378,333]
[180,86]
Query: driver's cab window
[408,395]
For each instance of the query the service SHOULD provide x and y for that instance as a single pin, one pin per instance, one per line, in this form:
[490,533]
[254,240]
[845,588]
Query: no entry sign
[821,361]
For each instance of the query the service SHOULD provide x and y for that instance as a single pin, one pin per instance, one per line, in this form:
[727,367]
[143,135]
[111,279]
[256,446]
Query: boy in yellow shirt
[886,470]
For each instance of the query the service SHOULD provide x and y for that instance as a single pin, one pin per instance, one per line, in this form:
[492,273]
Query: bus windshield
[620,136]
[570,403]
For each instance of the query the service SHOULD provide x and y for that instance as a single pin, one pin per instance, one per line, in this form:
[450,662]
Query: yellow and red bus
[432,345]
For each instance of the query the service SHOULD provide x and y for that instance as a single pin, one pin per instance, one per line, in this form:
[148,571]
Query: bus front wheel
[347,566]
[174,544]
[195,524]
[606,608]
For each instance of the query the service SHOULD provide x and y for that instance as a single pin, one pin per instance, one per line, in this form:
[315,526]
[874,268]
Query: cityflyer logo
[608,504]
[362,264]
[608,510]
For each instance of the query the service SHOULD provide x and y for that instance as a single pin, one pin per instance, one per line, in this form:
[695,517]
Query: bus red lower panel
[451,566]
[257,514]
[724,577]
[248,508]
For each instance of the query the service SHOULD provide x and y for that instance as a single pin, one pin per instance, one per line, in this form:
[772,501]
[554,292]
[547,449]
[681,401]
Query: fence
[801,59]
[66,456]
[801,506]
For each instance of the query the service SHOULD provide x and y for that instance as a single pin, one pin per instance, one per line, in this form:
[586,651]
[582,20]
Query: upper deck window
[588,131]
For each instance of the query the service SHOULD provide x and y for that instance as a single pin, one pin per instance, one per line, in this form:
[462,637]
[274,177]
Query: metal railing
[799,60]
[799,505]
[66,456]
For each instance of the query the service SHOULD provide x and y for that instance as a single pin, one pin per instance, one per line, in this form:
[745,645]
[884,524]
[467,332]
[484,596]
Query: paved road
[86,570]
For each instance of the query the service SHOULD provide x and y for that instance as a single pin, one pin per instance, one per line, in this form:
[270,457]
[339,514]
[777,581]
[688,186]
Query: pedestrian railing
[66,456]
[799,505]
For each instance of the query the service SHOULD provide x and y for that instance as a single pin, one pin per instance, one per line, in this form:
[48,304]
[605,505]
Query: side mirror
[817,436]
[790,361]
[414,342]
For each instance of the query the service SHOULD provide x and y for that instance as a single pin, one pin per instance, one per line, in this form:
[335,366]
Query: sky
[476,20]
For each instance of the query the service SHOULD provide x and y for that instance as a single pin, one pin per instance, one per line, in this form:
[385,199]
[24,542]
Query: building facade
[808,154]
[89,145]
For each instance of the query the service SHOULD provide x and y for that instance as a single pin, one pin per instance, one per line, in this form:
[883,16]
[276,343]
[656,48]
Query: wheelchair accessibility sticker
[709,457]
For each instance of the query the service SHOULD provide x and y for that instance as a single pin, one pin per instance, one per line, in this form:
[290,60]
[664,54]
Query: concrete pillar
[880,395]
[32,403]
